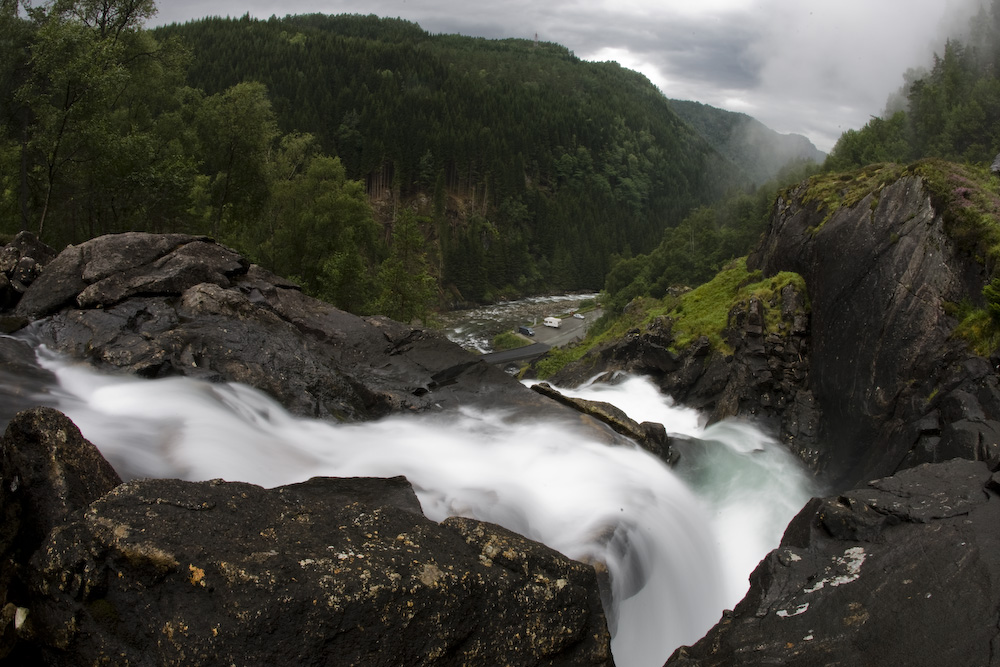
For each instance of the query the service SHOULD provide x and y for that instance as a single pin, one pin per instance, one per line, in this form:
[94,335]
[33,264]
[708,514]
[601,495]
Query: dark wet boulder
[47,472]
[344,571]
[21,263]
[904,570]
[158,305]
[105,270]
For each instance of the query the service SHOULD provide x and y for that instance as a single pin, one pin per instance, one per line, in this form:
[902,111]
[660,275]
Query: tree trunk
[23,195]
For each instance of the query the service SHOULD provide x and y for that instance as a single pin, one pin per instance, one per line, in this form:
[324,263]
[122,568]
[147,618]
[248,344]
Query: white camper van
[553,322]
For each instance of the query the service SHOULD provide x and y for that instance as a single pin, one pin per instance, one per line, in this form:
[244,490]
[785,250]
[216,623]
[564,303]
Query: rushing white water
[678,544]
[750,485]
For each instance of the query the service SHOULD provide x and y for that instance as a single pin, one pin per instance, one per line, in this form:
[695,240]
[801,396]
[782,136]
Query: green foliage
[991,292]
[947,112]
[968,198]
[830,192]
[703,311]
[237,129]
[978,327]
[534,166]
[317,226]
[407,289]
[693,251]
[556,359]
[881,140]
[86,86]
[508,341]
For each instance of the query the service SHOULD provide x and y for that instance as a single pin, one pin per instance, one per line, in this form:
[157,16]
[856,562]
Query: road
[545,338]
[572,330]
[517,354]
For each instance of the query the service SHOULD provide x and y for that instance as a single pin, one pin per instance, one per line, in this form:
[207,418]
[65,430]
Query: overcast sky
[814,67]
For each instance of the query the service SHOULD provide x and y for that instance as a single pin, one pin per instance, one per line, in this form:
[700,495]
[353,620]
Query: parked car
[578,316]
[526,331]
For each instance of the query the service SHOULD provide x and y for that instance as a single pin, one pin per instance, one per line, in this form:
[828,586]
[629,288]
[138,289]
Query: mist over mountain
[755,149]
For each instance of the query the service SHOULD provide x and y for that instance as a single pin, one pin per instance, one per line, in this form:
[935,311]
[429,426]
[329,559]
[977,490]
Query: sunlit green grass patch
[703,311]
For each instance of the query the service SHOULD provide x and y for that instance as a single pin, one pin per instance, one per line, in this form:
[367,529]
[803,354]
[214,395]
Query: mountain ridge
[757,150]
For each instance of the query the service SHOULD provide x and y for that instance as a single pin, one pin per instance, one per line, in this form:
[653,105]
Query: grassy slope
[703,311]
[967,196]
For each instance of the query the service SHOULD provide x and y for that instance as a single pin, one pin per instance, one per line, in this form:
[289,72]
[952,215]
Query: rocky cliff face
[895,387]
[864,375]
[897,570]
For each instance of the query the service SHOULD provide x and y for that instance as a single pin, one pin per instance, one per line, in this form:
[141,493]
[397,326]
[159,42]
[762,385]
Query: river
[474,329]
[679,543]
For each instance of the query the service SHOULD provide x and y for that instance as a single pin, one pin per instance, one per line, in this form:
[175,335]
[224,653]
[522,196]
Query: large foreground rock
[47,471]
[902,571]
[894,386]
[157,305]
[329,571]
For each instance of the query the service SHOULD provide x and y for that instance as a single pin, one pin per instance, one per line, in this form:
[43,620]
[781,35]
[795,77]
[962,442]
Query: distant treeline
[528,168]
[385,169]
[951,111]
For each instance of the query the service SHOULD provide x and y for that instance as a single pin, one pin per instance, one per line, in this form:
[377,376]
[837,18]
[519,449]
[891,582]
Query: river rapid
[679,543]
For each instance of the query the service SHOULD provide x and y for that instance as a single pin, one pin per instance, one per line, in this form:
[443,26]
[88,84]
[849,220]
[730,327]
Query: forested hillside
[950,111]
[345,151]
[755,149]
[527,167]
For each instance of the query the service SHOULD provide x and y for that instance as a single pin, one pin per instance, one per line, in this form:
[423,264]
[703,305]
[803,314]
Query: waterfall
[678,543]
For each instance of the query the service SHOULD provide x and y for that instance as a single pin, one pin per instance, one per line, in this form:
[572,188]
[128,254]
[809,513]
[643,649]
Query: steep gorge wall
[899,570]
[894,386]
[860,374]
